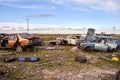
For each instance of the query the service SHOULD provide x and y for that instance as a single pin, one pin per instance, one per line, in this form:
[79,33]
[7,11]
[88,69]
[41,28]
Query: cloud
[79,5]
[10,1]
[40,15]
[27,4]
[24,25]
[105,5]
[58,1]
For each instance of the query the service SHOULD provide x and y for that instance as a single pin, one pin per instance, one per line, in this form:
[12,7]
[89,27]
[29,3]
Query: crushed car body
[19,41]
[72,39]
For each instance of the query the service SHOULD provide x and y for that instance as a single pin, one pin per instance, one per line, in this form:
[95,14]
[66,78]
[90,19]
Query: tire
[9,59]
[88,48]
[19,48]
[117,75]
[113,50]
[80,59]
[78,46]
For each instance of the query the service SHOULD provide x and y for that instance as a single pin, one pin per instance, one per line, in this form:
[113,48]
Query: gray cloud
[40,15]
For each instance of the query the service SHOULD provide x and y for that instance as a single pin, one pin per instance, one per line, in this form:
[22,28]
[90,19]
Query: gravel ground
[64,67]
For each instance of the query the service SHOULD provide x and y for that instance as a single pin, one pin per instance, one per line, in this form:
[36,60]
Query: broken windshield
[95,39]
[25,35]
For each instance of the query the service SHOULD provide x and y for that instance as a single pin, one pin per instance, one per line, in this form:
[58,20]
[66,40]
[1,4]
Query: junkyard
[59,62]
[59,39]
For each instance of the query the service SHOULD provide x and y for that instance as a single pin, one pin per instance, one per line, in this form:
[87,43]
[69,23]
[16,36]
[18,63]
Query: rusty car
[19,41]
[102,43]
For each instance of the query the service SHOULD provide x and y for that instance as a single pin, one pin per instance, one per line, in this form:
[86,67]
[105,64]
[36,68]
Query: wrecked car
[102,43]
[72,39]
[19,41]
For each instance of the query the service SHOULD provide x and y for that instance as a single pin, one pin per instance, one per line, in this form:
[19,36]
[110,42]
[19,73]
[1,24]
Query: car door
[100,45]
[111,44]
[117,41]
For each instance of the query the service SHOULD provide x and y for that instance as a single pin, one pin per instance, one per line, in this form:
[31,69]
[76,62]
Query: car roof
[106,37]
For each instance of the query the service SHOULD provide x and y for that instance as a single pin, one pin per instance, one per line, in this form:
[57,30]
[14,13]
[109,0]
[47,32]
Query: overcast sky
[99,14]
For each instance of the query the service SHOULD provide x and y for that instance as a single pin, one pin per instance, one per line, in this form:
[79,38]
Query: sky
[98,14]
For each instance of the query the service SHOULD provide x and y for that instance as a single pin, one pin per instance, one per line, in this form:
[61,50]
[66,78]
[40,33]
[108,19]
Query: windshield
[95,39]
[25,35]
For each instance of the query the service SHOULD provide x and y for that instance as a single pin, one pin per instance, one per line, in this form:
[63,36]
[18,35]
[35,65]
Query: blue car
[102,43]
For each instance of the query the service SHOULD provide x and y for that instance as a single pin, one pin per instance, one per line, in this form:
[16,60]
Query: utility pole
[113,30]
[36,16]
[27,25]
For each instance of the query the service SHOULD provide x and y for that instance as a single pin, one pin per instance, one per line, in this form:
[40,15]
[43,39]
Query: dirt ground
[60,64]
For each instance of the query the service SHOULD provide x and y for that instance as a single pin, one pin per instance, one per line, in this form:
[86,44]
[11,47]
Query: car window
[69,37]
[110,41]
[95,39]
[117,40]
[1,36]
[102,40]
[25,35]
[12,37]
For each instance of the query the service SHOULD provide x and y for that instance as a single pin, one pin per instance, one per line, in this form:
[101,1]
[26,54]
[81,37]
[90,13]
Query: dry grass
[60,64]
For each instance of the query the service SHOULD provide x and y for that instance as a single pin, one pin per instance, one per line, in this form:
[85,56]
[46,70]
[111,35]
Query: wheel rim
[88,48]
[19,49]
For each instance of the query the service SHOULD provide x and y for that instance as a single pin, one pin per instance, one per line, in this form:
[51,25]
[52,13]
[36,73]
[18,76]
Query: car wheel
[114,50]
[19,48]
[88,48]
[78,45]
[9,59]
